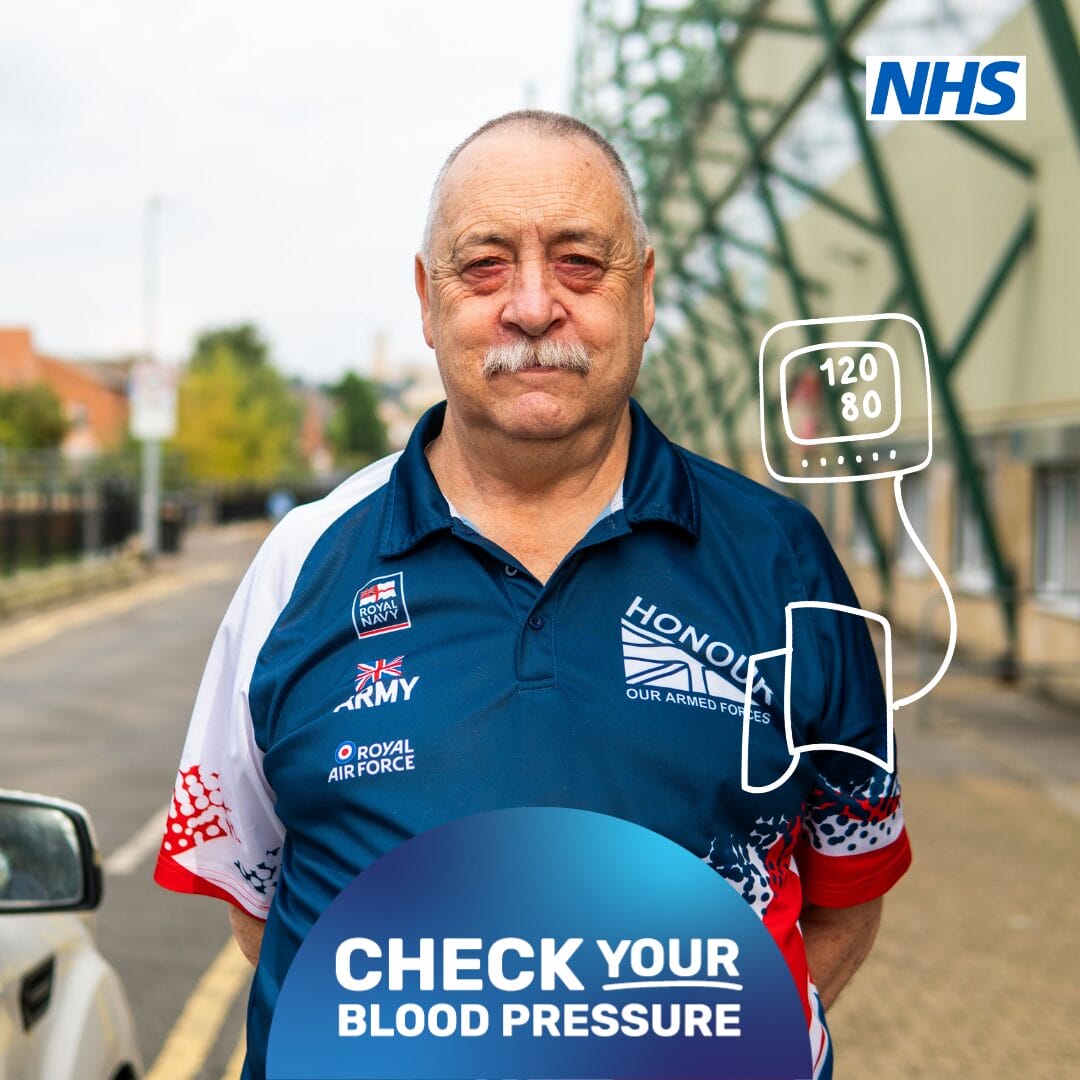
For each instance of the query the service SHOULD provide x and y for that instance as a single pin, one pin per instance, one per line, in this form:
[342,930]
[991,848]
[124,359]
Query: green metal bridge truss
[720,165]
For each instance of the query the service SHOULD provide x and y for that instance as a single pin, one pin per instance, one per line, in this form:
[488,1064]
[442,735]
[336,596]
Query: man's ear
[648,273]
[420,277]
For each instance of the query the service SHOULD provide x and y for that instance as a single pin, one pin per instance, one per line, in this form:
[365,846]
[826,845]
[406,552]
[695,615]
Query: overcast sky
[293,147]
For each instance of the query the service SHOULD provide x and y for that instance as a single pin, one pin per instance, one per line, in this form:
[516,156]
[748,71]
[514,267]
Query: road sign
[153,401]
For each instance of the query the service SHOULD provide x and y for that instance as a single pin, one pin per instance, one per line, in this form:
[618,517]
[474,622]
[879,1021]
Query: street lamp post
[153,399]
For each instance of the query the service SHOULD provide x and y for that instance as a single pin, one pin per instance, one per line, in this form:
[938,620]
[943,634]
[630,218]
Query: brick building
[93,396]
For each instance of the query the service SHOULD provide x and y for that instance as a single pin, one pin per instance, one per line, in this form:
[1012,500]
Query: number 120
[868,369]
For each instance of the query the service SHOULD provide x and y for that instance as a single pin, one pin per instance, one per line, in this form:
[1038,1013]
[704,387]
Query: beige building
[1017,386]
[1011,383]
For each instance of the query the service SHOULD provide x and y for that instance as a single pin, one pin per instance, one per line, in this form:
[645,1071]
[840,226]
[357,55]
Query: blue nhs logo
[946,88]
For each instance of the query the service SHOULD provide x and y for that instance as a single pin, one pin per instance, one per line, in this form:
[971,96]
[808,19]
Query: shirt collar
[658,485]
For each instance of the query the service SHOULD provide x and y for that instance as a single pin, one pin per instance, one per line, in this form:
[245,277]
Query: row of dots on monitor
[875,456]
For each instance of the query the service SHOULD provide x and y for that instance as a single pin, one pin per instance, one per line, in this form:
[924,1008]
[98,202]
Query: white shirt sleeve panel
[222,836]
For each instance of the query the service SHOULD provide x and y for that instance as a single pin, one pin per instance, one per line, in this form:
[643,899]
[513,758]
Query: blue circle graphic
[539,941]
[345,752]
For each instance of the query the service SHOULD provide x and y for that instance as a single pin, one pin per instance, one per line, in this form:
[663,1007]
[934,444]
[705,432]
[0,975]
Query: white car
[63,1011]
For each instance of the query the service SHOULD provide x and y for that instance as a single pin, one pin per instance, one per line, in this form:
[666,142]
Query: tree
[31,418]
[238,419]
[242,341]
[357,432]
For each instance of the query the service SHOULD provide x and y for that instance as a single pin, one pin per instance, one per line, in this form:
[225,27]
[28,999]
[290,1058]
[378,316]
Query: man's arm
[837,941]
[248,932]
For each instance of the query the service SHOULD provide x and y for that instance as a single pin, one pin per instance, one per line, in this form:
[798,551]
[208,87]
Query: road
[973,975]
[95,707]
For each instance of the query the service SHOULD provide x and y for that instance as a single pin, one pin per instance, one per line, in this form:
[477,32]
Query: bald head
[545,125]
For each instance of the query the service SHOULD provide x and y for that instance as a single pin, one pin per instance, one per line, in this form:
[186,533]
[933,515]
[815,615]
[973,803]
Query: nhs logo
[946,88]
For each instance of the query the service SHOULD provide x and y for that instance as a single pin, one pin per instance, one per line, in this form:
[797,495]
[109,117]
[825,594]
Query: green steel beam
[726,292]
[1003,575]
[1016,247]
[851,26]
[762,104]
[710,378]
[823,198]
[659,370]
[647,387]
[692,111]
[703,112]
[1006,154]
[780,26]
[1061,42]
[654,374]
[684,303]
[684,421]
[715,385]
[778,259]
[697,189]
[862,500]
[892,302]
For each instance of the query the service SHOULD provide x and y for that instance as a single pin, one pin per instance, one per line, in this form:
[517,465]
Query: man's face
[533,243]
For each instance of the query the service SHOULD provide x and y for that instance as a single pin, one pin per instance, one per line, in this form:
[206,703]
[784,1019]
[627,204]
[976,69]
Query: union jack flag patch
[379,606]
[373,673]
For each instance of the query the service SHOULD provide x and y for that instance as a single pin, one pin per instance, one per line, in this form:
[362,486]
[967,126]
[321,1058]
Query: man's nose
[533,306]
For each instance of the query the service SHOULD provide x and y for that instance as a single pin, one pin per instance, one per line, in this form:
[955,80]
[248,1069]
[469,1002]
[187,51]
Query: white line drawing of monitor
[849,438]
[864,373]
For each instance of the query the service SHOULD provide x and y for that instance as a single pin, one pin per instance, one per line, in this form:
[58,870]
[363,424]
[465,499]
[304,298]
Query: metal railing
[55,509]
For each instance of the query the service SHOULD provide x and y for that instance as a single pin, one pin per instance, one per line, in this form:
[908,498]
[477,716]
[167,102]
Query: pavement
[976,971]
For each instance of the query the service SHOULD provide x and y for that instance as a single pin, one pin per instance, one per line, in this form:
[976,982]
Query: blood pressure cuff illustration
[838,727]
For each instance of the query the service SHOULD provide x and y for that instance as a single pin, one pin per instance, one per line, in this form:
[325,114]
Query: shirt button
[511,570]
[536,621]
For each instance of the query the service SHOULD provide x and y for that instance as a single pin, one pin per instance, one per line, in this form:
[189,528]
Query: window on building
[916,494]
[973,570]
[1057,534]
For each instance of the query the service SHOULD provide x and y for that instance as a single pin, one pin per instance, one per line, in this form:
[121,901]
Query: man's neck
[534,497]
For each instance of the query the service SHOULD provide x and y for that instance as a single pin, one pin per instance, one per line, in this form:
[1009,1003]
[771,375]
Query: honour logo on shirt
[667,659]
[379,606]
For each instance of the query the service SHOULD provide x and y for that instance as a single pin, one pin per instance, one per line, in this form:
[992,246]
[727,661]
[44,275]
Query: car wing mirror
[49,860]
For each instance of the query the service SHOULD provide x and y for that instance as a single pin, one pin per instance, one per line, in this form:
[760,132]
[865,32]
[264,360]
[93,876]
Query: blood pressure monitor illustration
[853,380]
[843,385]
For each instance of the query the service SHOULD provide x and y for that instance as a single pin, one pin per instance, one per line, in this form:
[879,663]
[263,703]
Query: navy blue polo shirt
[384,668]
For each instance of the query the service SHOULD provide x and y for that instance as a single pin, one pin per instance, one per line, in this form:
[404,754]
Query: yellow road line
[197,1028]
[39,628]
[236,1059]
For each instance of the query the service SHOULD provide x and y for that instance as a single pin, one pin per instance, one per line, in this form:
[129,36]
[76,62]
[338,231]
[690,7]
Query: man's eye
[579,269]
[483,264]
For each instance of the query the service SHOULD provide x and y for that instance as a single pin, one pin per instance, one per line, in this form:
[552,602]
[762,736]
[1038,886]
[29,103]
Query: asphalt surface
[975,969]
[97,713]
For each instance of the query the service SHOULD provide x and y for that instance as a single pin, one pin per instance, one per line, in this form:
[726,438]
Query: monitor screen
[858,382]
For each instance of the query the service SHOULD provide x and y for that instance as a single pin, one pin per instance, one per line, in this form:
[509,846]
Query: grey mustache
[512,357]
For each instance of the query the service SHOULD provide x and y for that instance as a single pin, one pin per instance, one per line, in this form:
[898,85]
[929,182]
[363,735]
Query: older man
[541,601]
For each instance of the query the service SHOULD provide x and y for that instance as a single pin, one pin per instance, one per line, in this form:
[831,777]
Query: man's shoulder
[727,491]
